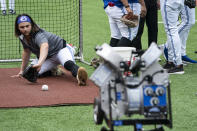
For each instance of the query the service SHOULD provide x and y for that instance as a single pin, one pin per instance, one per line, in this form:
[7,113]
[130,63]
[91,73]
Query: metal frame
[80,58]
[128,122]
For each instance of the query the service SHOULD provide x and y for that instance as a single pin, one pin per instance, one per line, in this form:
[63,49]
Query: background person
[170,10]
[187,16]
[50,49]
[151,20]
[11,7]
[121,34]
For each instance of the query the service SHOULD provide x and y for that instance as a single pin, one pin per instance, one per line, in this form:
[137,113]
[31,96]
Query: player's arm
[126,5]
[143,8]
[44,47]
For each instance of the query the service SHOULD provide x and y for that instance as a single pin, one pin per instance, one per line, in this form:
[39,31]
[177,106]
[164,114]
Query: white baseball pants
[170,10]
[119,29]
[61,57]
[11,4]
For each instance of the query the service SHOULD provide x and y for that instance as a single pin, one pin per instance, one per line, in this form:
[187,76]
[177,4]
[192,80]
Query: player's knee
[124,42]
[68,65]
[72,67]
[188,24]
[114,42]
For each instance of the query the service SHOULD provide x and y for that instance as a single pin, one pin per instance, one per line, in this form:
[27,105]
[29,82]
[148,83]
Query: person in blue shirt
[121,34]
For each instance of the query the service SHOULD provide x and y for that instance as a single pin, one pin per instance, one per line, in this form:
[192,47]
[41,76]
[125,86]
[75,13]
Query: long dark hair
[35,27]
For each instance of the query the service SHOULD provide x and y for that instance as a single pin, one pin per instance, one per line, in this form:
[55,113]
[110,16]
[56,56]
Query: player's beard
[26,33]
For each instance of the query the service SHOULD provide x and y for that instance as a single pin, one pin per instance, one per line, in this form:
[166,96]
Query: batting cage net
[61,17]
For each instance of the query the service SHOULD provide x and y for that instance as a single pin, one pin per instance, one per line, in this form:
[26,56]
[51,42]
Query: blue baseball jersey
[117,3]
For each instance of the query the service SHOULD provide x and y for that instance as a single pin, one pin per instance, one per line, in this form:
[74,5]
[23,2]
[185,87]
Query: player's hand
[129,10]
[129,16]
[19,75]
[37,66]
[143,11]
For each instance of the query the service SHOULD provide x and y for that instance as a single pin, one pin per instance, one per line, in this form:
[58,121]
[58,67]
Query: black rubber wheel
[98,113]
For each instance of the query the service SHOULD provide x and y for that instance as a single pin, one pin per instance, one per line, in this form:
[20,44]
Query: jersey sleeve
[40,38]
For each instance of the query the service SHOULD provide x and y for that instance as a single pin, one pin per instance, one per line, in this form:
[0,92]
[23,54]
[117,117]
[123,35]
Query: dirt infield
[18,92]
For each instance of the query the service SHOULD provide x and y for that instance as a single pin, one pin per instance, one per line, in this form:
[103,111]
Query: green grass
[49,119]
[80,118]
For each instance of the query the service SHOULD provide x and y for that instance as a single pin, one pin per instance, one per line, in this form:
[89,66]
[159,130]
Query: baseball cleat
[82,76]
[176,70]
[3,12]
[12,12]
[168,65]
[186,59]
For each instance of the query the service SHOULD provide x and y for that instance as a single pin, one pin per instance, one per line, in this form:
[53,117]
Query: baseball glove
[95,62]
[130,20]
[30,74]
[190,3]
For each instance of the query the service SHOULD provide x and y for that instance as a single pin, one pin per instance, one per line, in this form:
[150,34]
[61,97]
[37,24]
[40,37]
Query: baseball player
[187,16]
[151,20]
[121,34]
[11,7]
[170,10]
[50,49]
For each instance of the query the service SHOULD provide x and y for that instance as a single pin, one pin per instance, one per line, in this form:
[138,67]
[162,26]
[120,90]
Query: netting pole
[81,34]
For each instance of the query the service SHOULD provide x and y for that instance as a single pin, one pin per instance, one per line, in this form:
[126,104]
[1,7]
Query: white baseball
[45,87]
